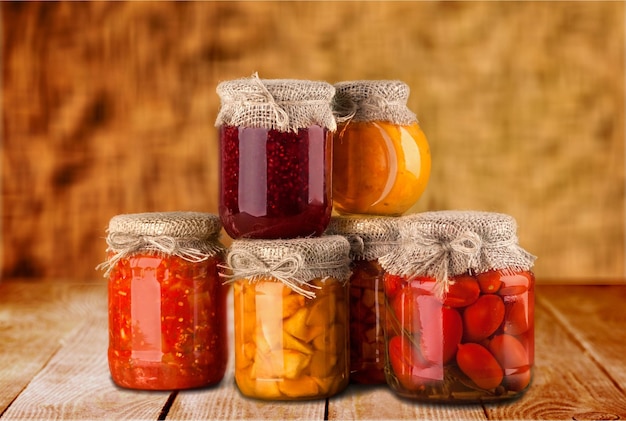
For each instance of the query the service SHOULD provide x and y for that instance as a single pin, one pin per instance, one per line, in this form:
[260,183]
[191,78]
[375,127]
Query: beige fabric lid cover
[193,236]
[369,237]
[448,243]
[294,262]
[280,104]
[373,100]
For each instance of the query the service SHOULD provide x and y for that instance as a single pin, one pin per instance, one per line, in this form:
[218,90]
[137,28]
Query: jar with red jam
[381,156]
[167,303]
[370,238]
[275,169]
[291,317]
[460,308]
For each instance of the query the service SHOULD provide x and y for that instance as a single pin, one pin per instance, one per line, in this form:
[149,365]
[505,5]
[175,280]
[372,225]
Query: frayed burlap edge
[370,237]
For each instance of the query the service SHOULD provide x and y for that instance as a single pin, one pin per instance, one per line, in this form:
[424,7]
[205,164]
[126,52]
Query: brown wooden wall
[108,107]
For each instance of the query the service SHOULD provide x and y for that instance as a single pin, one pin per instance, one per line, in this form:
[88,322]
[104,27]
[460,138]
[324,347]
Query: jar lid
[294,262]
[280,104]
[193,236]
[370,237]
[373,100]
[448,243]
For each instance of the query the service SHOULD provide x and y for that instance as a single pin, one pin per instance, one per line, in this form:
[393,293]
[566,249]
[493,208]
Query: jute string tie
[346,108]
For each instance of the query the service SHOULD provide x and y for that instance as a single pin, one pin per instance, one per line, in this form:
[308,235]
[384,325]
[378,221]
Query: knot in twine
[266,97]
[346,109]
[467,246]
[284,270]
[124,245]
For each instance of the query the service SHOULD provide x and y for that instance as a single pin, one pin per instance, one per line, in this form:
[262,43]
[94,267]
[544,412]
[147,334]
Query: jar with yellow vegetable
[370,238]
[381,157]
[291,316]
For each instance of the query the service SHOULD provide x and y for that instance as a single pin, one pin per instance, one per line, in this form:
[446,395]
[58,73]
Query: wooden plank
[34,320]
[76,384]
[596,318]
[380,403]
[226,402]
[568,383]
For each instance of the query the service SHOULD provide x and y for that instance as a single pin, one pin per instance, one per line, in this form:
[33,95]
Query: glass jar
[291,319]
[167,303]
[381,156]
[276,155]
[369,238]
[460,300]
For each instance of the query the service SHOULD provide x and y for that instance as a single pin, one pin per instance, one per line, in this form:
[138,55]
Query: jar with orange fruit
[370,237]
[291,316]
[381,157]
[459,292]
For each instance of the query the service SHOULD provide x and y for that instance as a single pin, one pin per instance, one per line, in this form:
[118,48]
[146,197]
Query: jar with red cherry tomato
[167,303]
[370,238]
[459,292]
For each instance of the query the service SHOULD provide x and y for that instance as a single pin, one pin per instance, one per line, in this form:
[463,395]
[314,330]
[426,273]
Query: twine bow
[123,245]
[266,97]
[254,268]
[468,246]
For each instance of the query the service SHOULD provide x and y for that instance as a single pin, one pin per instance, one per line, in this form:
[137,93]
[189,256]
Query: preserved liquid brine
[291,317]
[460,309]
[381,155]
[276,157]
[167,303]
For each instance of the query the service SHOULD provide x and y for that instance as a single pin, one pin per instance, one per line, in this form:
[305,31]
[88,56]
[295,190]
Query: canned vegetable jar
[291,318]
[275,144]
[370,238]
[381,156]
[167,303]
[460,308]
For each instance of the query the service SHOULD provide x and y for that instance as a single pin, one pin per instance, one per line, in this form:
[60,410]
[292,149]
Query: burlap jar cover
[370,237]
[285,105]
[294,262]
[443,244]
[192,236]
[373,100]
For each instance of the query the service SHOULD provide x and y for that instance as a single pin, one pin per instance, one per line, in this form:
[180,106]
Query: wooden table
[53,364]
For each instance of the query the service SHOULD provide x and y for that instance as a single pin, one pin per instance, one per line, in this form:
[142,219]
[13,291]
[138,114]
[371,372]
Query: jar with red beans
[291,316]
[370,238]
[167,303]
[460,308]
[275,145]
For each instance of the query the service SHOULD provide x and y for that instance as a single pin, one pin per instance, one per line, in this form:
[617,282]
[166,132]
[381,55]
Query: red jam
[275,184]
[167,323]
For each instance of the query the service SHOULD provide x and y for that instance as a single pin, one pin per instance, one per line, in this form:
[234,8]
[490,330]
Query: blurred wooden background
[108,108]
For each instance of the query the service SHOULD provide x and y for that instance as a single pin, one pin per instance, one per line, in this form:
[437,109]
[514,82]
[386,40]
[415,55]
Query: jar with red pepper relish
[370,238]
[167,303]
[291,317]
[460,308]
[275,144]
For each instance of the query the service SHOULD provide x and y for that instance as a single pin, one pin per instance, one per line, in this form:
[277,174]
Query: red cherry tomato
[392,284]
[489,281]
[479,365]
[513,358]
[442,329]
[481,319]
[514,283]
[516,315]
[463,291]
[412,372]
[405,310]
